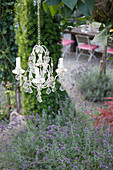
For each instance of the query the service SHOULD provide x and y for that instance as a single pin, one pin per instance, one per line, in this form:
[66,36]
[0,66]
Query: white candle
[40,57]
[60,62]
[37,72]
[18,62]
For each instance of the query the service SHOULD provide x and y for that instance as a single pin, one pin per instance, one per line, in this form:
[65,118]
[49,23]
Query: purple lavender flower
[59,160]
[59,112]
[62,148]
[57,147]
[12,163]
[102,166]
[76,158]
[84,148]
[85,162]
[51,131]
[49,136]
[49,144]
[78,135]
[45,158]
[111,151]
[33,138]
[63,166]
[88,168]
[85,157]
[60,145]
[71,165]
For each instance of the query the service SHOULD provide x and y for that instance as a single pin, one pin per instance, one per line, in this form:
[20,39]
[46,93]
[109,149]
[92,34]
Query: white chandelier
[39,74]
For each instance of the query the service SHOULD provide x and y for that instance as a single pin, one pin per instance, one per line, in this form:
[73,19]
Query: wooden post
[18,100]
[73,46]
[103,62]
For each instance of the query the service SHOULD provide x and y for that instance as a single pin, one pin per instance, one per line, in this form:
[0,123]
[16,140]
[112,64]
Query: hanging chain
[38,22]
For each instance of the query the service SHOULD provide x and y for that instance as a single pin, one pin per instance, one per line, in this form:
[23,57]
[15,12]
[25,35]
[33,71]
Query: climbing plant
[8,51]
[8,48]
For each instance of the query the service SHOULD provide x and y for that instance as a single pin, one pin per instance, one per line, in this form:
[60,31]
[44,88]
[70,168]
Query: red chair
[109,53]
[85,45]
[66,44]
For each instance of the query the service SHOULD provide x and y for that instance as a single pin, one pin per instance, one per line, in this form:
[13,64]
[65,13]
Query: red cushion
[110,50]
[87,46]
[66,42]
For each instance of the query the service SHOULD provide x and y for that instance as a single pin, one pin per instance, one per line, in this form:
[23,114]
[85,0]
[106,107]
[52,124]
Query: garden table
[77,31]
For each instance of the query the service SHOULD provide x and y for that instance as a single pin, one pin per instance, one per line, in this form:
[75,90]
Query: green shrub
[26,38]
[95,88]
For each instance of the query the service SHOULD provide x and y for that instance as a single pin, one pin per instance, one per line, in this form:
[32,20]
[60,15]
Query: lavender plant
[65,142]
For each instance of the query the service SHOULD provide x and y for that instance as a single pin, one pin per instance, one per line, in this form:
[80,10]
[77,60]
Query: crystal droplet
[25,85]
[26,90]
[17,77]
[39,98]
[30,75]
[48,91]
[62,88]
[53,89]
[30,90]
[47,59]
[25,78]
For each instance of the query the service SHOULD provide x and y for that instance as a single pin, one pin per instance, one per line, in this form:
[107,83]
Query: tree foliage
[64,7]
[99,10]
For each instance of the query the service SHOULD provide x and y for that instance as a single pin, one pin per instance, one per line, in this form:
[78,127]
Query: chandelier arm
[45,49]
[35,87]
[56,76]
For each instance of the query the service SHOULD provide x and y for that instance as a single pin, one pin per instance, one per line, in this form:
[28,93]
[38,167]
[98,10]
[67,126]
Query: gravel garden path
[74,67]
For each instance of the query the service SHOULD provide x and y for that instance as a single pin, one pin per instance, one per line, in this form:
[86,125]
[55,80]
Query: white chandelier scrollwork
[39,74]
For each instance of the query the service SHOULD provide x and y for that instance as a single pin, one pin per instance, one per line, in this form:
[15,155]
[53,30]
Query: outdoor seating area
[81,41]
[56,85]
